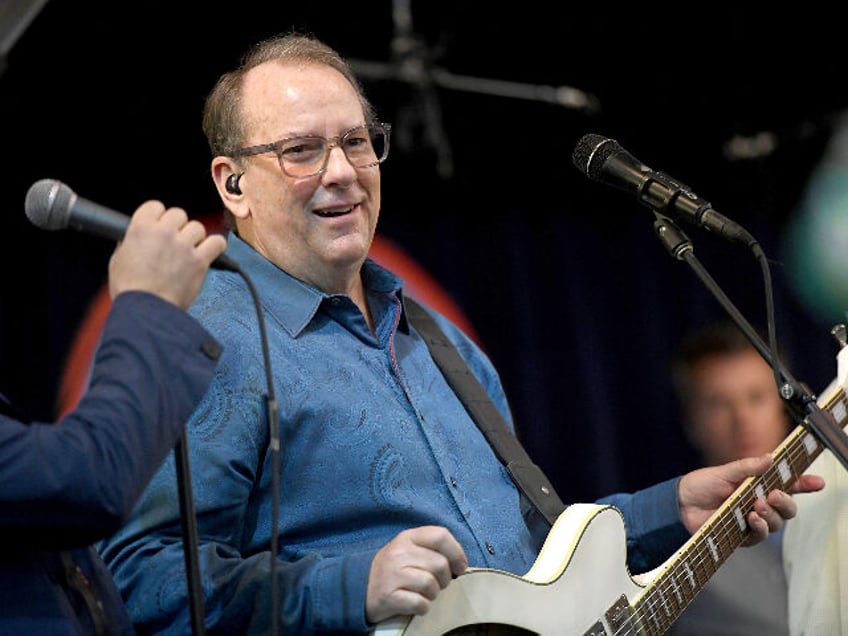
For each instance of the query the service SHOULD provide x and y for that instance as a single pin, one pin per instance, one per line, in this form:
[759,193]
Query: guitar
[579,586]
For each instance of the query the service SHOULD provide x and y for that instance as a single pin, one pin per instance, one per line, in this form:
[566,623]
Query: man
[387,488]
[731,409]
[64,486]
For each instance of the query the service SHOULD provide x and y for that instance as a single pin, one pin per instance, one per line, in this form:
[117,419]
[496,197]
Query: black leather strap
[473,396]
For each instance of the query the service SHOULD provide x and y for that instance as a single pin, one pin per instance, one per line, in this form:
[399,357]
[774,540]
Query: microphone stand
[189,530]
[801,402]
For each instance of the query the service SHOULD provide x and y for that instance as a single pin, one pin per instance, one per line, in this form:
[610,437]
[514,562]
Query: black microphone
[604,160]
[52,205]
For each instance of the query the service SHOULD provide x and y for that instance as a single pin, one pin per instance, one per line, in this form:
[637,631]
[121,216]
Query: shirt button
[453,481]
[490,548]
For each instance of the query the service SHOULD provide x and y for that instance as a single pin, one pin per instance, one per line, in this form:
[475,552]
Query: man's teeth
[333,212]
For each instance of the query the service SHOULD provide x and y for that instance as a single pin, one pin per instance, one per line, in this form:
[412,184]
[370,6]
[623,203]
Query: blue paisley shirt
[371,441]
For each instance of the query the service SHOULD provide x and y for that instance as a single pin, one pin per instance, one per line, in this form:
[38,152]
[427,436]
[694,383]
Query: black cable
[274,443]
[188,517]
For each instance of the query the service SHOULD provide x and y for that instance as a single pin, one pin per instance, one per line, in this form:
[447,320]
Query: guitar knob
[841,334]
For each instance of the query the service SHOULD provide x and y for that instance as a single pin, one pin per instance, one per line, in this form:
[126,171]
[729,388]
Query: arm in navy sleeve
[83,474]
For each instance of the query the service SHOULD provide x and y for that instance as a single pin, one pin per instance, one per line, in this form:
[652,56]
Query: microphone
[604,160]
[52,205]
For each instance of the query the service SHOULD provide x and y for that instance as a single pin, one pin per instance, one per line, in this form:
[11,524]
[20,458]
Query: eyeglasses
[364,146]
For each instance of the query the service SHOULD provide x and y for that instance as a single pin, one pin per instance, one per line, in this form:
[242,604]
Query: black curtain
[564,280]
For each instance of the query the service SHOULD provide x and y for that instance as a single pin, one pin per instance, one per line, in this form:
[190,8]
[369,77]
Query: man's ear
[228,178]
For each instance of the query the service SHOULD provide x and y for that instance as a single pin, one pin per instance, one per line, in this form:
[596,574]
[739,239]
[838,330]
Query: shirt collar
[294,303]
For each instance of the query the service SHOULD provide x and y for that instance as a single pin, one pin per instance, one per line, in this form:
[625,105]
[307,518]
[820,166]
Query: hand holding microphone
[52,205]
[160,250]
[164,253]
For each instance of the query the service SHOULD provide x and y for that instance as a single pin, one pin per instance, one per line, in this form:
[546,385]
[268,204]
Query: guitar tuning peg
[841,334]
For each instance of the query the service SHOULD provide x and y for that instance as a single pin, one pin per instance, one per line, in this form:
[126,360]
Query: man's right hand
[409,572]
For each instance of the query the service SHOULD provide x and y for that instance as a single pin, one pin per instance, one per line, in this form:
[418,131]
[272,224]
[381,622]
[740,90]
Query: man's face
[316,228]
[735,409]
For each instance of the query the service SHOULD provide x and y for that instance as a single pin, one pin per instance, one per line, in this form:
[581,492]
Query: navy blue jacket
[65,486]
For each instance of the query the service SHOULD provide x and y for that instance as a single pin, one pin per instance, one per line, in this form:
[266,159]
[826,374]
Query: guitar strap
[527,475]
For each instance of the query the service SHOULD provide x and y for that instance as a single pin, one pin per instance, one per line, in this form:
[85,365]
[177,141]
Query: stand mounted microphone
[604,160]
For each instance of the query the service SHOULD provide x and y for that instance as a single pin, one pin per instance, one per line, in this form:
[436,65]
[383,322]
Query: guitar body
[566,591]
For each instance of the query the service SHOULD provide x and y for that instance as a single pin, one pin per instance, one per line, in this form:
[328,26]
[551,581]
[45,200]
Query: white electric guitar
[579,584]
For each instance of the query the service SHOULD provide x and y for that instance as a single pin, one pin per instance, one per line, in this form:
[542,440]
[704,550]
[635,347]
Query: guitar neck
[686,573]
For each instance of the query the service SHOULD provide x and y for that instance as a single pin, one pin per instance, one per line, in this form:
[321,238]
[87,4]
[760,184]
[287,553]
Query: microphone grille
[48,204]
[591,152]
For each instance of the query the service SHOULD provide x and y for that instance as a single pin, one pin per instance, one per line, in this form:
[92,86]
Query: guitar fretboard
[699,558]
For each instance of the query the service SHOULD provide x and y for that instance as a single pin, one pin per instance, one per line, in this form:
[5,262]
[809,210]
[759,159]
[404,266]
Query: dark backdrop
[573,297]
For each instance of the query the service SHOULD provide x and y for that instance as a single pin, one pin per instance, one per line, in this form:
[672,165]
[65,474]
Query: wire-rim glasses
[305,156]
